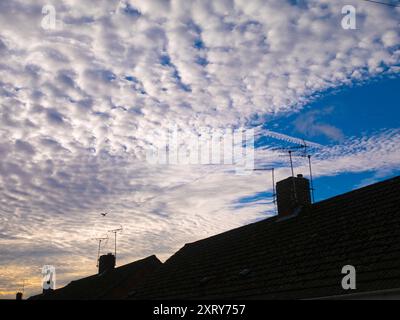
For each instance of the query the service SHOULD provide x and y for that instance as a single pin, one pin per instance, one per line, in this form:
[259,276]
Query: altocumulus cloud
[80,104]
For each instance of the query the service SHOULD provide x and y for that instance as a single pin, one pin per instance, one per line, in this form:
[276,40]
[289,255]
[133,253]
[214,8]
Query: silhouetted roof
[301,257]
[118,283]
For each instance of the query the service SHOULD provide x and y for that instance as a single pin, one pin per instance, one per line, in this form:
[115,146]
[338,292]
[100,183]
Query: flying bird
[104,214]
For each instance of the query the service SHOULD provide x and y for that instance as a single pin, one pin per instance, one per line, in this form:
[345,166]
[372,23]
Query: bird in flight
[104,214]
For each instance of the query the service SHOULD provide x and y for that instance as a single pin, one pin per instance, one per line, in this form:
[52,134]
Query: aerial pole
[98,251]
[311,178]
[291,162]
[115,231]
[274,190]
[273,184]
[294,182]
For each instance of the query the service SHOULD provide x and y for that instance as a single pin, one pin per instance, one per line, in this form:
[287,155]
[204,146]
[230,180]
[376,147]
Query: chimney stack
[292,194]
[106,263]
[47,291]
[19,296]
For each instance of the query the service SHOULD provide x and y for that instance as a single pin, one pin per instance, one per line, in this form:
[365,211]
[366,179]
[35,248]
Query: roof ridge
[269,219]
[152,257]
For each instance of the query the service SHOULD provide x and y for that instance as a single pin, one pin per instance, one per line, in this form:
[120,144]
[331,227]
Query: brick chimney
[106,263]
[47,291]
[292,194]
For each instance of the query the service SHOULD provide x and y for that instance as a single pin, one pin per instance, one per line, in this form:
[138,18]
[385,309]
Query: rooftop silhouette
[299,253]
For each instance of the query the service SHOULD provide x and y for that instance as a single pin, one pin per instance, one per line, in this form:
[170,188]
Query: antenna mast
[98,251]
[115,231]
[311,178]
[273,184]
[273,190]
[291,162]
[294,183]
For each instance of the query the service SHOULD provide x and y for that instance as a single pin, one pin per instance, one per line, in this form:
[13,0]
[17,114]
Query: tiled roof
[116,284]
[301,257]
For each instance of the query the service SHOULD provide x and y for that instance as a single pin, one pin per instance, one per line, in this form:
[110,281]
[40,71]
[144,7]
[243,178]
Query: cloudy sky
[84,98]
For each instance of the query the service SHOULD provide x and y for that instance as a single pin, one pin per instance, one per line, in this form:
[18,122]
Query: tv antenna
[100,240]
[300,151]
[23,286]
[304,154]
[295,151]
[115,231]
[273,184]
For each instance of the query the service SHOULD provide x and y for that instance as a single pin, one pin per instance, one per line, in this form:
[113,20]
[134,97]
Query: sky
[83,99]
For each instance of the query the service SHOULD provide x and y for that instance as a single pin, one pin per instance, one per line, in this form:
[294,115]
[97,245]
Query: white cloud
[308,123]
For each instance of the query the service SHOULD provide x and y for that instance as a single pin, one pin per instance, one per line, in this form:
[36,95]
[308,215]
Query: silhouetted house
[109,283]
[299,253]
